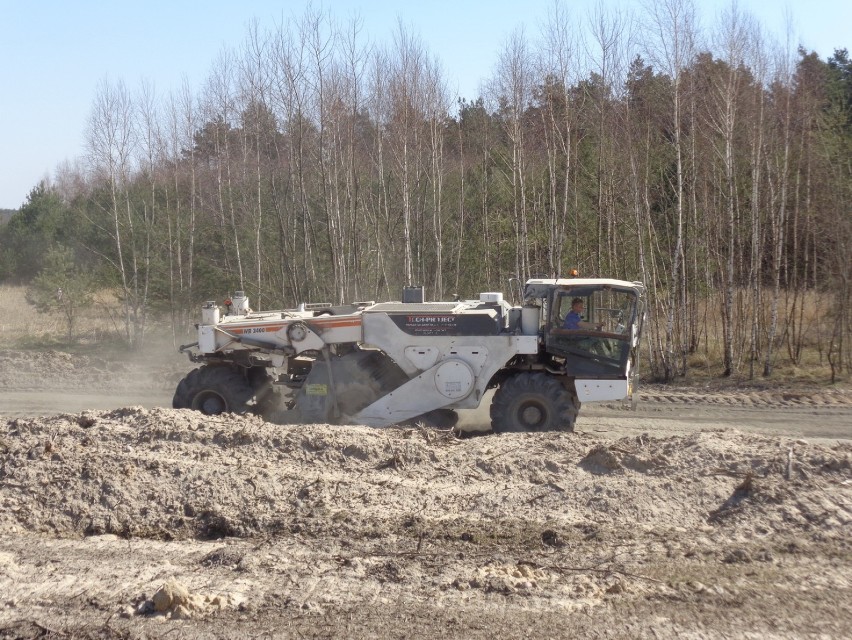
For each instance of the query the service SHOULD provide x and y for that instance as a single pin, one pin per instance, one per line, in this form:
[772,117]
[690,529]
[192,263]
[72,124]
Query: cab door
[593,353]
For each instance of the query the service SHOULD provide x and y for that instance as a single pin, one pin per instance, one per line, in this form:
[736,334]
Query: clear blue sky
[54,53]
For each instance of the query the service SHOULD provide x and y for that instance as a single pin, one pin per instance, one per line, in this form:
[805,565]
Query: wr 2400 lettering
[254,330]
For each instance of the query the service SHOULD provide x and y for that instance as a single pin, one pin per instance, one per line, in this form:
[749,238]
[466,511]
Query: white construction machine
[396,362]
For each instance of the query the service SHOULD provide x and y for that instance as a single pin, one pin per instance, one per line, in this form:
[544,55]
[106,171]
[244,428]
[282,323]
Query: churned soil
[702,514]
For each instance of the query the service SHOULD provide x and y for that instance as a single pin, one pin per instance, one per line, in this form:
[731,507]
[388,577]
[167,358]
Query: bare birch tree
[151,142]
[219,114]
[560,61]
[180,126]
[731,41]
[405,85]
[379,208]
[110,145]
[605,53]
[672,33]
[436,102]
[289,103]
[511,90]
[257,133]
[779,187]
[758,64]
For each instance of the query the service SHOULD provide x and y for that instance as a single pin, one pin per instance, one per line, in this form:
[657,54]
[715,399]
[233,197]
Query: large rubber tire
[213,390]
[532,402]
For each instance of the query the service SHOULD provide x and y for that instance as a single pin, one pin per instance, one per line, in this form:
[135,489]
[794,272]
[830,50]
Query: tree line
[713,166]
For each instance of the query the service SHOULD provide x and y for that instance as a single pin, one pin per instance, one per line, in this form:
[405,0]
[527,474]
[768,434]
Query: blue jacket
[572,320]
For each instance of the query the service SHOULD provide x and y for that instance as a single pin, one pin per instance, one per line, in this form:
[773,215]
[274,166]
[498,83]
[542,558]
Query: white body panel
[432,389]
[601,390]
[271,329]
[530,320]
[491,297]
[439,385]
[210,313]
[380,332]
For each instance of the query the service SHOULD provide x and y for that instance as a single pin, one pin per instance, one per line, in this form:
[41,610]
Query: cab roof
[586,282]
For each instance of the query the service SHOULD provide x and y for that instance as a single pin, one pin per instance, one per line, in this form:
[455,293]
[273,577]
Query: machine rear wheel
[213,390]
[532,402]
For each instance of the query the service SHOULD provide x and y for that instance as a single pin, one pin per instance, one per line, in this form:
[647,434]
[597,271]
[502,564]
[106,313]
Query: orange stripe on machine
[316,323]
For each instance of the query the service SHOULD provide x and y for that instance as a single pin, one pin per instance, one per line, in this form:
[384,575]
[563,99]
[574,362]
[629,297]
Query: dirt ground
[704,513]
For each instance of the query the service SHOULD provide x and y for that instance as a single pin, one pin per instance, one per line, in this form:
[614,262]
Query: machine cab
[594,324]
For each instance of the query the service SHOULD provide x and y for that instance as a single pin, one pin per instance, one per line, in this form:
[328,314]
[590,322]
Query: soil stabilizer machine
[414,361]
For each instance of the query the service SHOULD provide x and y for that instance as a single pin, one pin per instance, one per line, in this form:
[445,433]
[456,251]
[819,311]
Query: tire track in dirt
[747,398]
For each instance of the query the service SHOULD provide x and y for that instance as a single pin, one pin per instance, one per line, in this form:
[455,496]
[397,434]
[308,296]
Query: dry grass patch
[799,354]
[22,326]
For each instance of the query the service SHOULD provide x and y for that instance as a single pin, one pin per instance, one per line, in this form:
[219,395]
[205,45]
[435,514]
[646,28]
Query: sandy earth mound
[126,523]
[706,513]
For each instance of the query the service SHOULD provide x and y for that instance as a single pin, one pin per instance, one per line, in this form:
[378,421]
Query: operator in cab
[574,319]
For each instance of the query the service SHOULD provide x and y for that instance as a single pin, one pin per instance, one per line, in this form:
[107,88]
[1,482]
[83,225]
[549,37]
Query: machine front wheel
[533,402]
